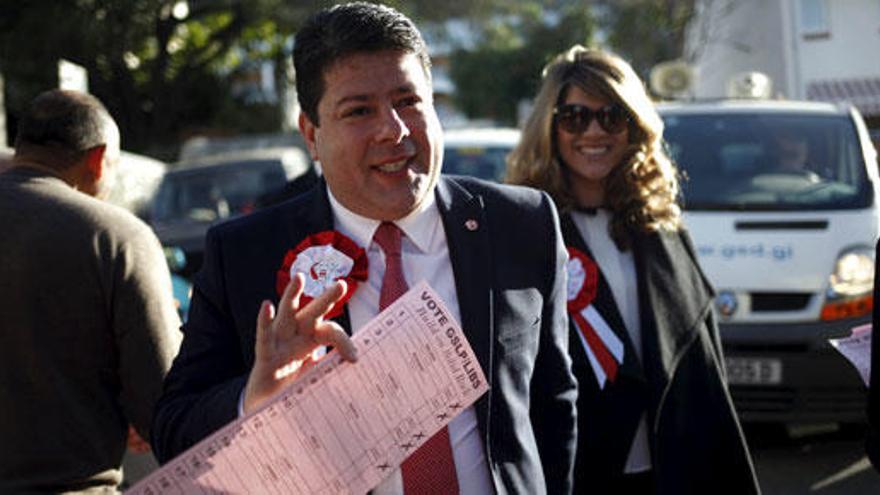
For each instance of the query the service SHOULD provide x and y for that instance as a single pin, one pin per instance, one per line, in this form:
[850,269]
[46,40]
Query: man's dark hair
[69,122]
[343,30]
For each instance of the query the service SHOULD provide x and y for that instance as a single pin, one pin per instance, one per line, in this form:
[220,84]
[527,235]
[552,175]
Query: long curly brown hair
[642,192]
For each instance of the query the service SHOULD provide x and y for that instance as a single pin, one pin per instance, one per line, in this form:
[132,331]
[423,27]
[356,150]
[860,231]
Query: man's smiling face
[379,140]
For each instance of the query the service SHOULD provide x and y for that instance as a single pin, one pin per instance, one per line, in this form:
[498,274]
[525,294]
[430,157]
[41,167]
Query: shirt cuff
[241,403]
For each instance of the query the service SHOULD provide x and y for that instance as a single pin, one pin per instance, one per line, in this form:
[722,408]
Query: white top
[424,256]
[619,270]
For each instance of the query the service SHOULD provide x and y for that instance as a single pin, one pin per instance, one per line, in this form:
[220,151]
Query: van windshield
[763,161]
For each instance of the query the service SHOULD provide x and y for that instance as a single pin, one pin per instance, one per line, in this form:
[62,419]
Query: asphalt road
[828,462]
[817,461]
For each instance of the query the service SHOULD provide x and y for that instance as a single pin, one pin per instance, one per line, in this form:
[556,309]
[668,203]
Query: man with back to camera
[88,321]
[494,254]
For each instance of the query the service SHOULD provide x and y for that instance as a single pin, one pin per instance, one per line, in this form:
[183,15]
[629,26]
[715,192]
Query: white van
[781,199]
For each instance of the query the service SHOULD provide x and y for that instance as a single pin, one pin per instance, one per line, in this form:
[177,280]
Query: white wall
[852,48]
[733,36]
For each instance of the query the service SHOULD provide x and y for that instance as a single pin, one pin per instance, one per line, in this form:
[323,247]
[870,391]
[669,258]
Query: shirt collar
[423,227]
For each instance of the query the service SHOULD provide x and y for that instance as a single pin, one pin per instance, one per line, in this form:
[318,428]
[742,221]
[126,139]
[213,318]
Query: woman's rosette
[603,347]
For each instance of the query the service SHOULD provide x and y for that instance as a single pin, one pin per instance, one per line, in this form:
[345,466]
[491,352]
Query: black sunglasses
[575,119]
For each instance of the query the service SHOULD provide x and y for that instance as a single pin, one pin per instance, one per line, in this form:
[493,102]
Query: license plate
[753,371]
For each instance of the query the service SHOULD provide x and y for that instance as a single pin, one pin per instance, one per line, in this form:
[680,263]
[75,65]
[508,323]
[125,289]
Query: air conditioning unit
[750,84]
[672,79]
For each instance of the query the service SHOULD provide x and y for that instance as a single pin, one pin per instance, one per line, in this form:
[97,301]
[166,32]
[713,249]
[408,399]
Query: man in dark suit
[493,253]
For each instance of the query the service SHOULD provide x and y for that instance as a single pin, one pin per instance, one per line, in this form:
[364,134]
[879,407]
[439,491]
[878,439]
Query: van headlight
[853,273]
[850,288]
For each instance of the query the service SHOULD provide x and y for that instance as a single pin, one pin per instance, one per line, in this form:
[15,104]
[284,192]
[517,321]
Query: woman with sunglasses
[654,413]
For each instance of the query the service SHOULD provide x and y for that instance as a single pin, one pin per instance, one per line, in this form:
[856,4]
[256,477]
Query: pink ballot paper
[857,349]
[342,427]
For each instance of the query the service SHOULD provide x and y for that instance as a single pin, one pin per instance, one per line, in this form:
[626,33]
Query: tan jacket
[88,330]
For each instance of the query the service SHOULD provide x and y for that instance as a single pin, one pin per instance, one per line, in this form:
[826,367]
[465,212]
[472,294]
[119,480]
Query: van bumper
[817,383]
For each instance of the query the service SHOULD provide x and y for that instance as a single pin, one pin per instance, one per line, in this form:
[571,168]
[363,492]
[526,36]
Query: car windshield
[477,161]
[768,161]
[212,193]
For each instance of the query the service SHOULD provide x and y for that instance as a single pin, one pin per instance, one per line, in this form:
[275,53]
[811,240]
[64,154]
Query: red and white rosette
[324,258]
[604,348]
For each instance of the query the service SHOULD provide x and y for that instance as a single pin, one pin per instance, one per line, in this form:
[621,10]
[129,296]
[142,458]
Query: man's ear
[308,129]
[94,160]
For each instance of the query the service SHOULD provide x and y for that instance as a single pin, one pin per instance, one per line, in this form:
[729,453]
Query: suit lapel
[467,236]
[604,302]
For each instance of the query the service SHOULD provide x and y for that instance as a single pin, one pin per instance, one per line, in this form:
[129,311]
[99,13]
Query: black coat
[696,442]
[873,444]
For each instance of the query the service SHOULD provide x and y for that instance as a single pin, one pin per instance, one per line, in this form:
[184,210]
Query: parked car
[136,181]
[781,202]
[201,146]
[200,192]
[478,152]
[180,286]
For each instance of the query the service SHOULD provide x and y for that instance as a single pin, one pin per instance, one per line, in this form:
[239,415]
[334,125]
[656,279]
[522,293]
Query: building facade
[823,50]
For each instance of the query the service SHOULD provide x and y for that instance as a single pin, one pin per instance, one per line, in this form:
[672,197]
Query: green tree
[164,71]
[505,66]
[646,32]
[161,69]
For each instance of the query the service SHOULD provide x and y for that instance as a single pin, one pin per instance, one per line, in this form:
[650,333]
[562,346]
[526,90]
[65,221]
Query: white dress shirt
[619,270]
[424,256]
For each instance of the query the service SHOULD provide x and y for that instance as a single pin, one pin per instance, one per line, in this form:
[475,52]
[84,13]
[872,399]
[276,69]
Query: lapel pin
[471,225]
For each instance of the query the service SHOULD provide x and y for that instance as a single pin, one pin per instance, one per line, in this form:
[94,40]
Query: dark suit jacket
[511,292]
[873,444]
[696,442]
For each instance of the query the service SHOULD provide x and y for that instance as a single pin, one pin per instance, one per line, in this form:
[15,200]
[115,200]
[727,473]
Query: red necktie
[394,284]
[431,469]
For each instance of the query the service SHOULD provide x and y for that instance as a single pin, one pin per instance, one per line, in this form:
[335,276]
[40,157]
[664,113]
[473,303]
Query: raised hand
[285,341]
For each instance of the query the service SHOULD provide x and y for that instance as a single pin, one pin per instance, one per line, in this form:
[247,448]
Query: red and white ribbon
[324,258]
[603,347]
